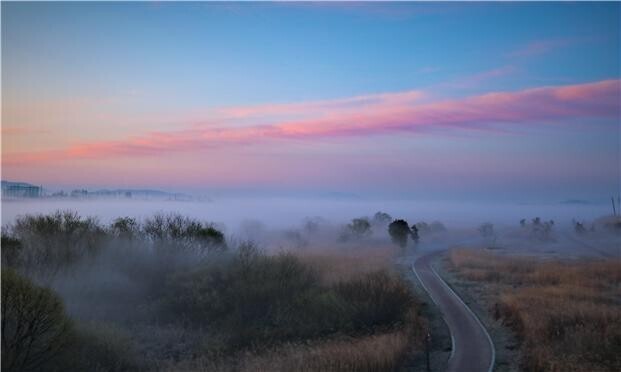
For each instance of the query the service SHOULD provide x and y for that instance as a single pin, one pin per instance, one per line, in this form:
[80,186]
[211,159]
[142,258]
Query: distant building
[79,193]
[20,190]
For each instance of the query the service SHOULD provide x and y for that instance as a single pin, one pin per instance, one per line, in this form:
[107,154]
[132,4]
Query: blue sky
[114,76]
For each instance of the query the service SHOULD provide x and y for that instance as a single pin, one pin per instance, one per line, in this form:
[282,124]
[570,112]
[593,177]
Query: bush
[35,328]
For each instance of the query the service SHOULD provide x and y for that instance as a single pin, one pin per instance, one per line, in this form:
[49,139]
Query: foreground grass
[567,315]
[379,352]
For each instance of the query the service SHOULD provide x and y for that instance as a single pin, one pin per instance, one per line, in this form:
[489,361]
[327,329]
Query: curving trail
[473,349]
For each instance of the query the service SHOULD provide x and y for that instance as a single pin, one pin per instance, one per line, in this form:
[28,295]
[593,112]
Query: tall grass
[567,314]
[378,352]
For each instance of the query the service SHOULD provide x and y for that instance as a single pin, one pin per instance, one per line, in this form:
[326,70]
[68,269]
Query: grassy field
[566,314]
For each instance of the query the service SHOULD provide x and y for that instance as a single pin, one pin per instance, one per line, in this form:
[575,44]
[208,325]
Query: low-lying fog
[278,213]
[271,222]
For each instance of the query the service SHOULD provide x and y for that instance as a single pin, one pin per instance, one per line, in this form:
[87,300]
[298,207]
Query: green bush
[35,329]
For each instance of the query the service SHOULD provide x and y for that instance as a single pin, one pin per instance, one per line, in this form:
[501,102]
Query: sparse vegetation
[566,314]
[538,229]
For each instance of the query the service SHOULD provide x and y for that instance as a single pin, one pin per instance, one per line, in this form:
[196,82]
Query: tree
[422,227]
[487,231]
[125,227]
[579,227]
[35,328]
[358,228]
[381,218]
[399,231]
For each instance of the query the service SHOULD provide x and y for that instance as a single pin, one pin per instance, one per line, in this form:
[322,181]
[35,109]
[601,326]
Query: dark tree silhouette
[34,325]
[399,231]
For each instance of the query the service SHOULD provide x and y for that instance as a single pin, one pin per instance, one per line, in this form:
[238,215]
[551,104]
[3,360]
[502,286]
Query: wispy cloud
[477,80]
[388,113]
[539,47]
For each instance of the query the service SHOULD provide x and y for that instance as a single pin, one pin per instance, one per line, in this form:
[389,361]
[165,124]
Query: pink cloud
[319,107]
[360,116]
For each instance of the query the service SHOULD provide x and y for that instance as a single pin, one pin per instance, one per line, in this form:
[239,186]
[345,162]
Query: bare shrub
[35,328]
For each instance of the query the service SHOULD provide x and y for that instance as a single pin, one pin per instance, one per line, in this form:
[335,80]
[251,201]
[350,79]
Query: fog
[236,215]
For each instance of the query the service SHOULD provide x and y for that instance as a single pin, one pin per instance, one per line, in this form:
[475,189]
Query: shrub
[35,328]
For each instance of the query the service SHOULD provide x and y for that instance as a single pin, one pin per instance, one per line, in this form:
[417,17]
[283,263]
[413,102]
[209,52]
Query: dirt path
[473,350]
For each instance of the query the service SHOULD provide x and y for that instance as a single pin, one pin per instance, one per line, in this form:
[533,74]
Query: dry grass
[335,265]
[380,352]
[567,314]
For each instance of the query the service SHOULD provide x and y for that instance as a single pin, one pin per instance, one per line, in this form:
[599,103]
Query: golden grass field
[567,314]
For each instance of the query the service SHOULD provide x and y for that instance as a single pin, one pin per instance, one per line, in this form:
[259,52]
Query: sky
[498,101]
